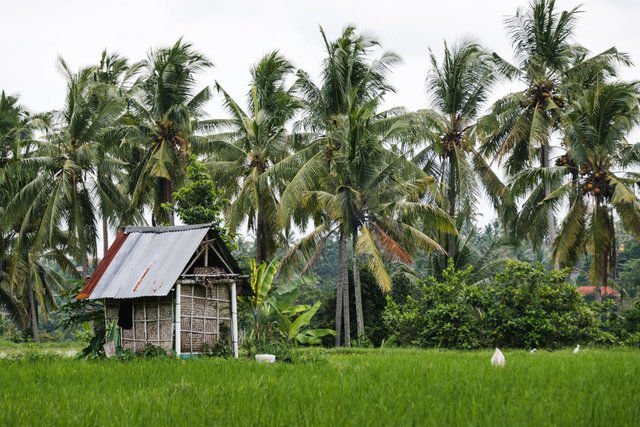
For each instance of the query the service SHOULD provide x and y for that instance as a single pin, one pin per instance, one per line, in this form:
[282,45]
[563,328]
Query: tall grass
[381,387]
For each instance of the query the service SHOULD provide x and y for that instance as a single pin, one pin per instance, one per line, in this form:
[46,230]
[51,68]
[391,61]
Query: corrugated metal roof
[102,267]
[147,263]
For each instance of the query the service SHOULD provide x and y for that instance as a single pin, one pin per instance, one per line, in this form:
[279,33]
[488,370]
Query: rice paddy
[358,387]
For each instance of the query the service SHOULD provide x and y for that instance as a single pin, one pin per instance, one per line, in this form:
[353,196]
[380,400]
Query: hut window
[125,315]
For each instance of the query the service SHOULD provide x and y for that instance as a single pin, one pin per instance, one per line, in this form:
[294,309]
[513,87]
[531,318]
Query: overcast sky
[235,34]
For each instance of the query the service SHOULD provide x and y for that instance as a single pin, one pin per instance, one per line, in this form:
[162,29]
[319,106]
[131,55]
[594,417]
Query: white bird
[577,349]
[498,358]
[533,350]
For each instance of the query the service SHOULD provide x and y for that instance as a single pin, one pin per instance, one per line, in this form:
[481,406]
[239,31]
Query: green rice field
[358,387]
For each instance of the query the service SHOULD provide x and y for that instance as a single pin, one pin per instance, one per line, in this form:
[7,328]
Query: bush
[526,307]
[220,348]
[443,316]
[623,324]
[523,306]
[151,351]
[35,355]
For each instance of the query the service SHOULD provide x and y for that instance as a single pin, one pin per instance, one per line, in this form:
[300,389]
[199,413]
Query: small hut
[173,287]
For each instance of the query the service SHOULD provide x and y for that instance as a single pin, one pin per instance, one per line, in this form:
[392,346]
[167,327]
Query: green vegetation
[521,307]
[383,197]
[63,348]
[381,387]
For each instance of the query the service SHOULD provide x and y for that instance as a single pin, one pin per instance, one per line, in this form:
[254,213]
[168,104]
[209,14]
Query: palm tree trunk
[33,313]
[339,285]
[613,248]
[602,280]
[261,236]
[105,235]
[551,225]
[85,265]
[606,259]
[344,273]
[358,293]
[167,197]
[452,196]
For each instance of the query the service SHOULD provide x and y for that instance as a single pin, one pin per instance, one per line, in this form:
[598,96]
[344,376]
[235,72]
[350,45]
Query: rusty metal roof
[144,261]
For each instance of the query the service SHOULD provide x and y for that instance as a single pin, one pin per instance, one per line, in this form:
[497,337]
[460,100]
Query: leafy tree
[442,316]
[522,306]
[199,201]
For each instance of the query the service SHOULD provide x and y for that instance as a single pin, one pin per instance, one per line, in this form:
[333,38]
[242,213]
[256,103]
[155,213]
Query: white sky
[235,34]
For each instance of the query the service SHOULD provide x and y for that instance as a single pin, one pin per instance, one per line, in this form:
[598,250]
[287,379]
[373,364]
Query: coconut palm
[376,200]
[116,76]
[164,118]
[26,277]
[349,79]
[28,286]
[15,132]
[521,125]
[63,191]
[248,145]
[597,188]
[459,86]
[353,186]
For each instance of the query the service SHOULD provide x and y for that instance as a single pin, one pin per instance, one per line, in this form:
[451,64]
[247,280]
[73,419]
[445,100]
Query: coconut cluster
[543,94]
[451,141]
[594,181]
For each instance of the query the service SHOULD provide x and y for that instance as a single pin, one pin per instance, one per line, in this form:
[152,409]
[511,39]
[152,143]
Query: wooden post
[234,320]
[178,316]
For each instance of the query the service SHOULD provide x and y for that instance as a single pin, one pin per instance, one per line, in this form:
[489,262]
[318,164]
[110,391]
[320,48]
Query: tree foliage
[522,306]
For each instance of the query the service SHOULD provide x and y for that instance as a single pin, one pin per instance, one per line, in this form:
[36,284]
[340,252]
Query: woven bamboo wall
[204,310]
[153,319]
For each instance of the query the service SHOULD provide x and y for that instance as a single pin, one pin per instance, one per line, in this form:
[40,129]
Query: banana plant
[275,310]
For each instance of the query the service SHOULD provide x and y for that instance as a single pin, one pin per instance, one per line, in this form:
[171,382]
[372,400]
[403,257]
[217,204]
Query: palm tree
[116,76]
[350,183]
[26,278]
[28,285]
[63,191]
[165,112]
[378,203]
[459,86]
[596,127]
[349,79]
[521,125]
[249,144]
[15,132]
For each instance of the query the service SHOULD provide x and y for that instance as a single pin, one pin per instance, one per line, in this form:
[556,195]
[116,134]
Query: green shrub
[526,306]
[35,355]
[623,324]
[220,348]
[153,351]
[443,316]
[523,306]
